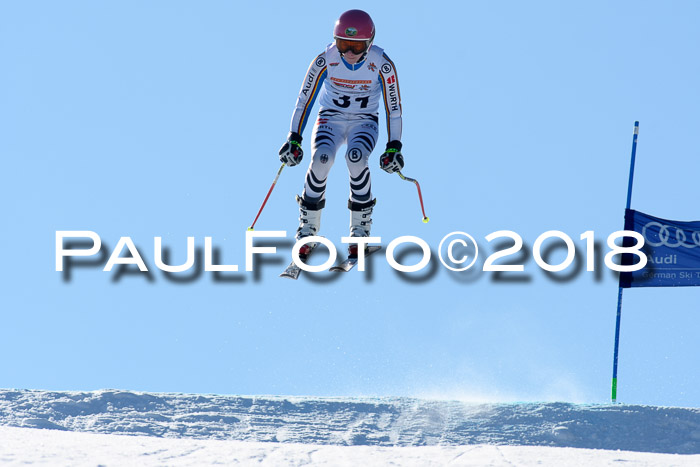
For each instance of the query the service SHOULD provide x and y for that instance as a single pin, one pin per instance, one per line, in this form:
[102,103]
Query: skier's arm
[392,159]
[392,99]
[307,95]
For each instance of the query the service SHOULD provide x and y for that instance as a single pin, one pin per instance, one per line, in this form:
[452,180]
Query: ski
[350,263]
[293,271]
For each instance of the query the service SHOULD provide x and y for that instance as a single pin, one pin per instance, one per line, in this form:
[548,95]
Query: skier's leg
[362,138]
[326,138]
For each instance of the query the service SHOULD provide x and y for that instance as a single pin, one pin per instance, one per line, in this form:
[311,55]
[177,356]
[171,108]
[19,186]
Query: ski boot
[360,222]
[309,223]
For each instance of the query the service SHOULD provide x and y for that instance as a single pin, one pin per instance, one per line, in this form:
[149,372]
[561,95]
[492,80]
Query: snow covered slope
[21,446]
[356,421]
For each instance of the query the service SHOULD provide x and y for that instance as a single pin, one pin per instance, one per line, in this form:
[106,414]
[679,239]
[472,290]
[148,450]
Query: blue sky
[165,118]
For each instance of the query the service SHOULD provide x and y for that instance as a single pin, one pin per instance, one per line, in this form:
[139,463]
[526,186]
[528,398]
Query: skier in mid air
[352,76]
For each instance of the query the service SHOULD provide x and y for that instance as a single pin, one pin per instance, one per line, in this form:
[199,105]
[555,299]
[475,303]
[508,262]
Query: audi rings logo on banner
[671,237]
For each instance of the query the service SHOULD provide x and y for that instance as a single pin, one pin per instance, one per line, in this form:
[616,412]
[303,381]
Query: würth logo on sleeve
[392,93]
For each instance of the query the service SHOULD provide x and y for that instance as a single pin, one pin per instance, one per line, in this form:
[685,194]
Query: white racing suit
[349,97]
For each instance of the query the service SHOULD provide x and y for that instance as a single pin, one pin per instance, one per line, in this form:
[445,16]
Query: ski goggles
[356,47]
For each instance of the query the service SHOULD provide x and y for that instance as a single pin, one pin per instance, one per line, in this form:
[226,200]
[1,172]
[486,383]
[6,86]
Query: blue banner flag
[672,249]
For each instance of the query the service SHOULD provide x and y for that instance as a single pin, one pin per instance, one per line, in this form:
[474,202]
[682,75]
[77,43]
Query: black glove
[291,152]
[392,160]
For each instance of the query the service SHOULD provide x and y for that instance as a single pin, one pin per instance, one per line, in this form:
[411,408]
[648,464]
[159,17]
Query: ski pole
[268,195]
[420,196]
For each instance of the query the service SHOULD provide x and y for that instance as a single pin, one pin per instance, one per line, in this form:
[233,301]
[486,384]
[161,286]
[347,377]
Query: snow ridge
[356,421]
